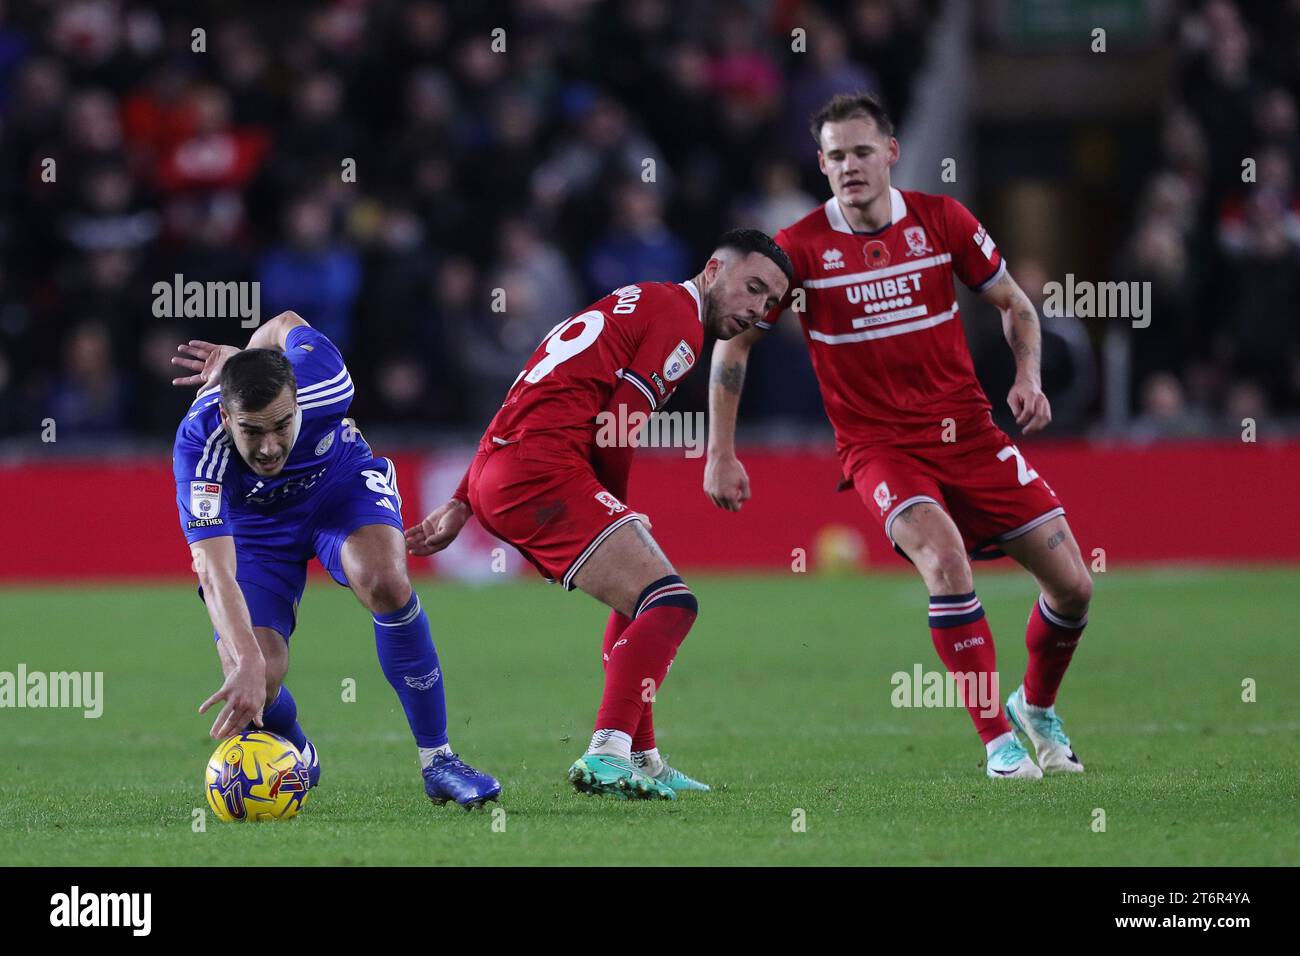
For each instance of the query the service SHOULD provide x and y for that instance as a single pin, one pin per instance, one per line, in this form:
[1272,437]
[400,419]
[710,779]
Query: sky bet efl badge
[680,362]
[205,499]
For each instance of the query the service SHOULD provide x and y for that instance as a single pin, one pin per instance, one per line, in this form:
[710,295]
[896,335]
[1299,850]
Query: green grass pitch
[780,698]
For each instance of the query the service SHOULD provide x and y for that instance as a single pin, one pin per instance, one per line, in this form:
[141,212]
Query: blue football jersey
[214,485]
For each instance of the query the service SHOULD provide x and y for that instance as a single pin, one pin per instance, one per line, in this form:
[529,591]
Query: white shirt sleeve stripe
[640,387]
[225,460]
[207,450]
[308,389]
[329,401]
[218,450]
[333,389]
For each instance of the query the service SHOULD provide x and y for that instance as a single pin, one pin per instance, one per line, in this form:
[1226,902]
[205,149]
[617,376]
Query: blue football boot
[311,759]
[450,778]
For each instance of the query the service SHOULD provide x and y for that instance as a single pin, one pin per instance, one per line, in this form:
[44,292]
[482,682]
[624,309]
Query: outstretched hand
[244,692]
[204,359]
[438,530]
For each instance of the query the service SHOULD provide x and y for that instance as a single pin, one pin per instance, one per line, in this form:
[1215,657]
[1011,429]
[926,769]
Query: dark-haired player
[913,429]
[269,473]
[542,482]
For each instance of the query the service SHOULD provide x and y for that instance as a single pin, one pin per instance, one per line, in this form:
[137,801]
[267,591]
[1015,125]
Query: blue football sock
[410,663]
[282,718]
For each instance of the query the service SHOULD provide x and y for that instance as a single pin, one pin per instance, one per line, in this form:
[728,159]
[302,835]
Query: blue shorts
[273,549]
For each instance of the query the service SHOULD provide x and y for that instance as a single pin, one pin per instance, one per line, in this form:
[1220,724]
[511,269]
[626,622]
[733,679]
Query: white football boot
[1011,760]
[1043,728]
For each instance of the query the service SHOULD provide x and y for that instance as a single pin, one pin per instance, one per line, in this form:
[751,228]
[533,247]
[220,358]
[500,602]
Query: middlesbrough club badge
[876,253]
[883,498]
[917,244]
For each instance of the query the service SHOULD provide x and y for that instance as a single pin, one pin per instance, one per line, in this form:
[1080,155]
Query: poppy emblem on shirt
[876,253]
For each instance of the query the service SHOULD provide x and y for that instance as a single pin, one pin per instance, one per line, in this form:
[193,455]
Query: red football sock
[614,629]
[639,658]
[1051,639]
[644,737]
[961,635]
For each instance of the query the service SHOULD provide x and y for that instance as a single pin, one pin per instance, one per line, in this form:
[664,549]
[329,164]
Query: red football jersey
[648,334]
[881,317]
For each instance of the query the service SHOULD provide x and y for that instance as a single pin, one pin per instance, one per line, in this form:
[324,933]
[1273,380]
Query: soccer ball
[256,775]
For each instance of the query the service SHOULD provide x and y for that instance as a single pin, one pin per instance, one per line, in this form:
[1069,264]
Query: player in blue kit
[269,473]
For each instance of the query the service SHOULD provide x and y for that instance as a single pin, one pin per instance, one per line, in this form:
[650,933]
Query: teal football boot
[1043,728]
[605,775]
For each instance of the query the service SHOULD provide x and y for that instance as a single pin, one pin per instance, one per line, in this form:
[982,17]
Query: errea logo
[832,259]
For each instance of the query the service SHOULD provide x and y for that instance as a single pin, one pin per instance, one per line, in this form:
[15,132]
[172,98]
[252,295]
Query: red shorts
[547,502]
[981,480]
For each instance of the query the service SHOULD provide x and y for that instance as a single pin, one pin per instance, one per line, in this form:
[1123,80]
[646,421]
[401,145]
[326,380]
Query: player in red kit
[543,482]
[913,429]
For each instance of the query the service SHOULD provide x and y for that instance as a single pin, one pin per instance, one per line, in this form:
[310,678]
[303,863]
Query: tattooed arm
[1020,326]
[725,481]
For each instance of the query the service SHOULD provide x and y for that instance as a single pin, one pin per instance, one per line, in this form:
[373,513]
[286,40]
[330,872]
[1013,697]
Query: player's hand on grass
[204,359]
[244,693]
[438,530]
[1030,406]
[726,482]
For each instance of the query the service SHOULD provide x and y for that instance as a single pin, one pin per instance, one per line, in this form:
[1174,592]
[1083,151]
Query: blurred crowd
[1218,231]
[380,167]
[435,184]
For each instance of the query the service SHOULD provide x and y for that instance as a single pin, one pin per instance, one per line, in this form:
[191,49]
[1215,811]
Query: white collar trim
[297,427]
[835,215]
[695,294]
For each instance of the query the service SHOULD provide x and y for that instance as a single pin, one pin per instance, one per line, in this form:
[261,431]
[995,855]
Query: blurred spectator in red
[216,155]
[1275,184]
